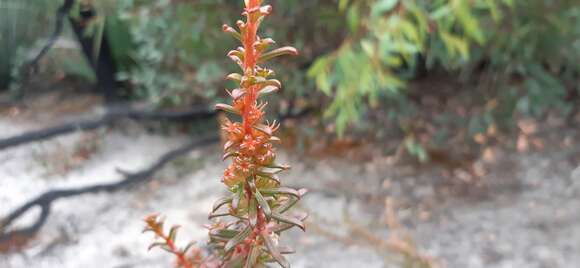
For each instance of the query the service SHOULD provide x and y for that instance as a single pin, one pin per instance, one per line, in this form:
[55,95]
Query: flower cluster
[257,205]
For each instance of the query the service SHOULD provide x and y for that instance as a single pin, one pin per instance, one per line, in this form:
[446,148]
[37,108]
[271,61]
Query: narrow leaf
[173,233]
[234,77]
[216,215]
[167,248]
[228,29]
[281,227]
[263,203]
[225,233]
[188,247]
[229,154]
[278,52]
[289,220]
[263,128]
[226,108]
[235,262]
[237,198]
[268,90]
[253,257]
[287,205]
[238,238]
[286,250]
[156,244]
[270,82]
[220,202]
[281,190]
[252,212]
[273,250]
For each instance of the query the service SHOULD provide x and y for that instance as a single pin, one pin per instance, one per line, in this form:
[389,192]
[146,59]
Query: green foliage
[169,49]
[386,37]
[175,51]
[21,23]
[535,40]
[538,42]
[359,54]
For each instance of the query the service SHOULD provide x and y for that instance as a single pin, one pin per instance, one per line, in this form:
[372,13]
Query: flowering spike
[257,193]
[257,202]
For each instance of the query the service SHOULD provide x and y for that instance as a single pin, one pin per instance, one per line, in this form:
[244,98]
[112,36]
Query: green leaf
[353,19]
[235,262]
[156,244]
[277,52]
[273,250]
[289,220]
[268,90]
[269,175]
[287,205]
[226,108]
[454,43]
[281,190]
[286,250]
[468,21]
[442,12]
[281,227]
[173,233]
[238,238]
[228,29]
[237,198]
[253,257]
[235,77]
[263,203]
[343,4]
[252,212]
[224,233]
[383,6]
[186,249]
[217,215]
[220,202]
[269,82]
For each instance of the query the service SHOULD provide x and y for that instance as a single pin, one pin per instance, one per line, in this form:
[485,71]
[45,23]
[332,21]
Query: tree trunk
[103,64]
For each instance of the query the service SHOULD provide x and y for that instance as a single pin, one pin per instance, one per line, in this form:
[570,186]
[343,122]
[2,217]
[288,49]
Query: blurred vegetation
[357,56]
[21,23]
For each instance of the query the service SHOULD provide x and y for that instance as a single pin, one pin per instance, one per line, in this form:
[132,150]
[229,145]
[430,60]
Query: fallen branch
[121,112]
[18,237]
[110,117]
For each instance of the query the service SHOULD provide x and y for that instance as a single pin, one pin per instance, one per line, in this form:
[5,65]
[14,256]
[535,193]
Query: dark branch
[61,14]
[121,112]
[45,200]
[110,117]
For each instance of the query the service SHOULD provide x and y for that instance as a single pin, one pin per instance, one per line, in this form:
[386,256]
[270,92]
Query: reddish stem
[250,60]
[182,260]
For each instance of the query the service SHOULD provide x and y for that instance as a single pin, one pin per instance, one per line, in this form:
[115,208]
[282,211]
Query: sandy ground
[526,215]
